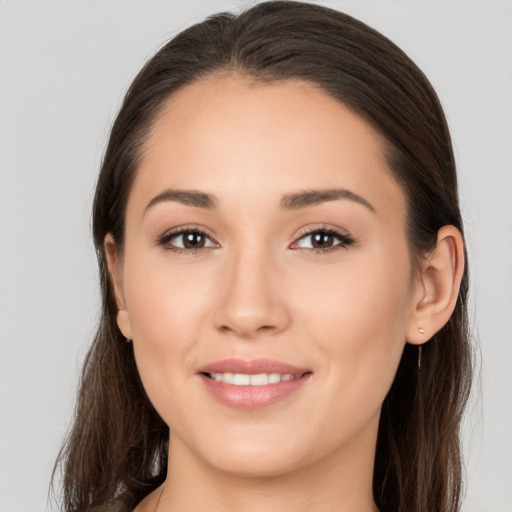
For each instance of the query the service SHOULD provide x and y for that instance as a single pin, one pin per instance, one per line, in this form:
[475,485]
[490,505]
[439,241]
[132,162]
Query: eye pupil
[193,240]
[320,240]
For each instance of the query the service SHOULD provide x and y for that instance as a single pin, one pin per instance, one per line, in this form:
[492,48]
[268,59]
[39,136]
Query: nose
[252,302]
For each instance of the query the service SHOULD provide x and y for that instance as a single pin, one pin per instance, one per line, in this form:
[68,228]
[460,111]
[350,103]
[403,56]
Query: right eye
[186,241]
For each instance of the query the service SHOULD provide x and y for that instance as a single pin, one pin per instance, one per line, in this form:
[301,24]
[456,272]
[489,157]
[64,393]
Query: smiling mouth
[260,379]
[254,391]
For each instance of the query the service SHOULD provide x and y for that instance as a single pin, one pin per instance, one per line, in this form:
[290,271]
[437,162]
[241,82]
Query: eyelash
[346,240]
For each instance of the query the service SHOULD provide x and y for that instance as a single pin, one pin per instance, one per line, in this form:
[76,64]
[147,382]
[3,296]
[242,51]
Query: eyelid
[321,227]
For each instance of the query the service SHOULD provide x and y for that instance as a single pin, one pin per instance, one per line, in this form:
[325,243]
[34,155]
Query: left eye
[323,240]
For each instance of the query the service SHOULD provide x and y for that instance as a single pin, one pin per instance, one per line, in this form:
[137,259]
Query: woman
[284,282]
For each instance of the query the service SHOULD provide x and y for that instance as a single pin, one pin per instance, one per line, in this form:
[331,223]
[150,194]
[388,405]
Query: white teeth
[243,379]
[259,380]
[227,377]
[274,378]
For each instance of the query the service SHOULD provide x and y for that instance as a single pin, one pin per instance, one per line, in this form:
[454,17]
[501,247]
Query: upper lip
[252,367]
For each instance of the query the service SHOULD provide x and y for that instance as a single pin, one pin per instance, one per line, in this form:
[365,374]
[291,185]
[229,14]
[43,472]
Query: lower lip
[250,398]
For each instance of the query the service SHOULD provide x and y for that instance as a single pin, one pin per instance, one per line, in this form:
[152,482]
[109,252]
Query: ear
[437,287]
[115,271]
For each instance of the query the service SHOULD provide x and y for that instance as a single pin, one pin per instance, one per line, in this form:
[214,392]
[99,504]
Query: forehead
[228,135]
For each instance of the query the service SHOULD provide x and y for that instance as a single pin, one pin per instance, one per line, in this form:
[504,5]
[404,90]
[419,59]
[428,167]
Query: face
[264,229]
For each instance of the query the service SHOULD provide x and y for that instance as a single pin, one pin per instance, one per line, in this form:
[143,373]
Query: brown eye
[193,240]
[186,240]
[323,240]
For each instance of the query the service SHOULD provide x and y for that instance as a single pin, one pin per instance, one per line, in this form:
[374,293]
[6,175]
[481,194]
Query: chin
[261,465]
[251,458]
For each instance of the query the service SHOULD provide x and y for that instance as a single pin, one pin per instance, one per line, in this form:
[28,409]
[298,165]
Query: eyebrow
[288,202]
[317,196]
[188,197]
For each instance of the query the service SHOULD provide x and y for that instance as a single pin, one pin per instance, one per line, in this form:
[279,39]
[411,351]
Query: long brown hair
[116,450]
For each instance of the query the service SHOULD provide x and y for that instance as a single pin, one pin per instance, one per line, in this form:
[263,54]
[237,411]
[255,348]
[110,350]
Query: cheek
[166,308]
[357,314]
[164,301]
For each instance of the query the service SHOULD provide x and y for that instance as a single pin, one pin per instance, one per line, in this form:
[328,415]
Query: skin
[260,289]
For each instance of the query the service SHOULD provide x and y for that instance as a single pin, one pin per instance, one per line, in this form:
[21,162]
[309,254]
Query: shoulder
[147,504]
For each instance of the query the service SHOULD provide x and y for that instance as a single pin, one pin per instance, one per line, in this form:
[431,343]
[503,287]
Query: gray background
[64,66]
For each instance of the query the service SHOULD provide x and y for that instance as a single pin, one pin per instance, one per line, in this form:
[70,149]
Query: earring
[421,330]
[419,357]
[128,340]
